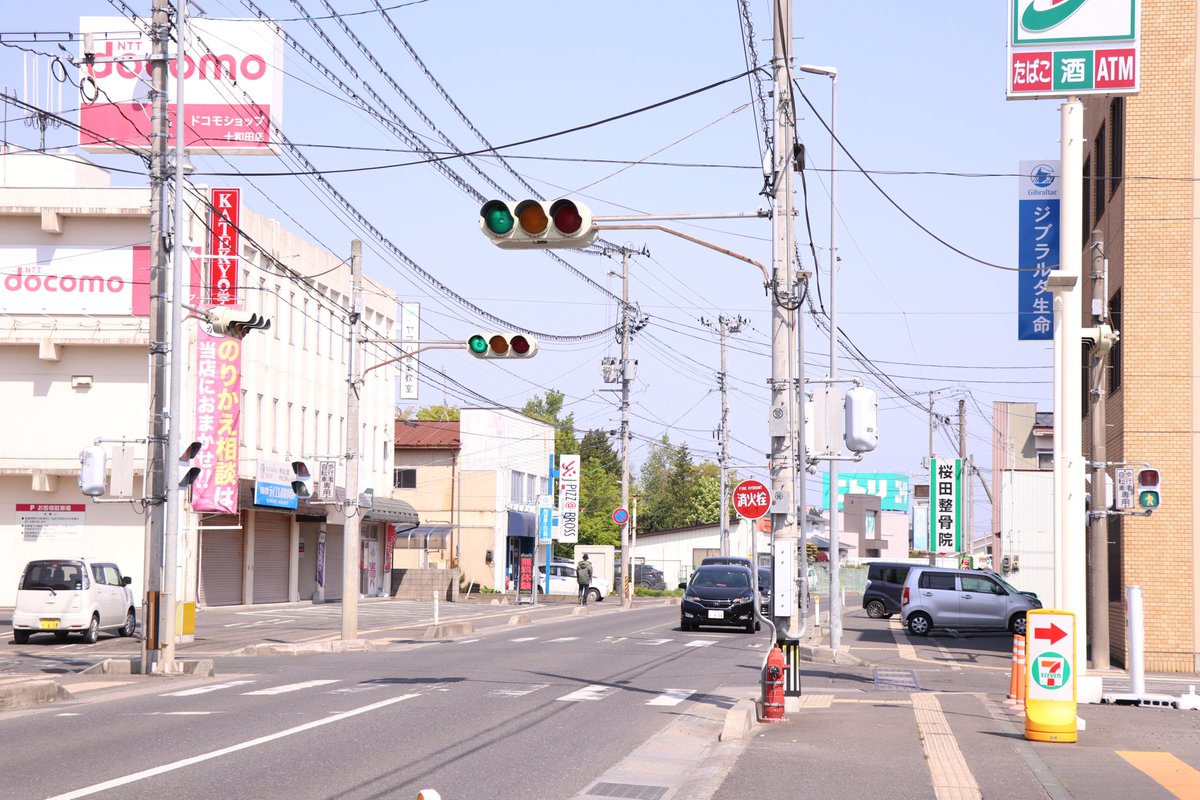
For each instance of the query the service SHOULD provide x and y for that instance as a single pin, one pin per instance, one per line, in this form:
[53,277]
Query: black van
[885,582]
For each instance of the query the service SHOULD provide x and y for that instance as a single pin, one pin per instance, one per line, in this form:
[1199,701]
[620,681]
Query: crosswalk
[667,698]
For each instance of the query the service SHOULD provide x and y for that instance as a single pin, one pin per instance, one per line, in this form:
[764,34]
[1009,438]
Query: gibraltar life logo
[1043,19]
[1042,176]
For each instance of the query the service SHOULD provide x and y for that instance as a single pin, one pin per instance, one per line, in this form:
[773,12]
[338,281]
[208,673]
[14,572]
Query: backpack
[583,571]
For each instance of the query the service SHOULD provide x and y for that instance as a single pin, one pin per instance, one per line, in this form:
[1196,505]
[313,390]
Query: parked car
[885,582]
[937,597]
[737,560]
[648,576]
[718,594]
[73,595]
[563,581]
[765,585]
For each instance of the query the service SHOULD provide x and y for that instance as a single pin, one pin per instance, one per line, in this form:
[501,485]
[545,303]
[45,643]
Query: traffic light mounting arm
[693,240]
[434,344]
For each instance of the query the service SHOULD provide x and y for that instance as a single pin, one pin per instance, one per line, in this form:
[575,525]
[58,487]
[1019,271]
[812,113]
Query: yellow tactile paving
[952,778]
[1177,777]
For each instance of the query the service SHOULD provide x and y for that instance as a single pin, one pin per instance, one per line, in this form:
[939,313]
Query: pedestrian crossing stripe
[671,697]
[291,687]
[596,691]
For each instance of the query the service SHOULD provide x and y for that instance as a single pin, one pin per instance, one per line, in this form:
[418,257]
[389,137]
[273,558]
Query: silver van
[938,597]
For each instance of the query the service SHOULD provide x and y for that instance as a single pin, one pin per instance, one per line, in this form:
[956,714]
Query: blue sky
[921,106]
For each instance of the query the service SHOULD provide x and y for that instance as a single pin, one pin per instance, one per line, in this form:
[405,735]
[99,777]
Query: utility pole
[929,533]
[726,326]
[160,288]
[1099,515]
[969,545]
[351,535]
[626,550]
[784,456]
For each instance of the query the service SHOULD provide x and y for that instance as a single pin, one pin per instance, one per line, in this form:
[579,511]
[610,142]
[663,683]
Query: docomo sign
[751,499]
[232,94]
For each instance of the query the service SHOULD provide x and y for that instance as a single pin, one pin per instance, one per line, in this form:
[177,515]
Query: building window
[404,478]
[1117,126]
[1045,461]
[1101,177]
[1114,355]
[1087,201]
[258,423]
[275,425]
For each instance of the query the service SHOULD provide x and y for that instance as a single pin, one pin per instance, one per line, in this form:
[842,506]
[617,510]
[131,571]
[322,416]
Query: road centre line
[291,687]
[187,762]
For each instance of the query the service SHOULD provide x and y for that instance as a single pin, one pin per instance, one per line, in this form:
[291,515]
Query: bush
[642,591]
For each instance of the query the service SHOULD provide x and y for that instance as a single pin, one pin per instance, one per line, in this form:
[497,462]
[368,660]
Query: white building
[74,368]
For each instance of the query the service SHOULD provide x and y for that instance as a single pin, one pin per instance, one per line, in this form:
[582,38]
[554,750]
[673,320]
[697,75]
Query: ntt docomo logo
[211,67]
[20,281]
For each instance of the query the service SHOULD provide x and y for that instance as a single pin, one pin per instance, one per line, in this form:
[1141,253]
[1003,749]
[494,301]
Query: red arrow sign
[1053,633]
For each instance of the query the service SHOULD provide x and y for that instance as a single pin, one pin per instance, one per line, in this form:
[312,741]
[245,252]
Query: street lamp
[835,608]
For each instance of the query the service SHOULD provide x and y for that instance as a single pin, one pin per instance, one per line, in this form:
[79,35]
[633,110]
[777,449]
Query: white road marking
[518,691]
[594,692]
[214,687]
[524,639]
[653,642]
[468,641]
[291,687]
[187,762]
[563,639]
[671,697]
[700,643]
[608,640]
[171,714]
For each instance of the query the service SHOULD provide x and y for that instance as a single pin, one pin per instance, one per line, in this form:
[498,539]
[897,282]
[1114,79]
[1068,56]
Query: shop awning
[397,512]
[425,537]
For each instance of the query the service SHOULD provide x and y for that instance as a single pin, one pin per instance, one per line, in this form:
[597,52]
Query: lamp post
[835,606]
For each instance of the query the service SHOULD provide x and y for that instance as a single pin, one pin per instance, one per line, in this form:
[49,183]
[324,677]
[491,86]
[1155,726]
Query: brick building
[1140,195]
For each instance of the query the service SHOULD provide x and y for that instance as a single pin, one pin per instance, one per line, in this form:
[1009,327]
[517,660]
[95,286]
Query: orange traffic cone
[1016,681]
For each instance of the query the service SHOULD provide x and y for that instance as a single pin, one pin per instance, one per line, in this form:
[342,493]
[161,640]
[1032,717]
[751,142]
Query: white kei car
[563,581]
[72,595]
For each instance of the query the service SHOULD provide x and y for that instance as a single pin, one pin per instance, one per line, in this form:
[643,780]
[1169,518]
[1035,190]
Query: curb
[30,693]
[739,721]
[448,630]
[306,648]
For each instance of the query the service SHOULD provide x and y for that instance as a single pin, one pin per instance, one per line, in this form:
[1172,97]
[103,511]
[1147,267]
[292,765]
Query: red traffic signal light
[502,345]
[537,224]
[1149,493]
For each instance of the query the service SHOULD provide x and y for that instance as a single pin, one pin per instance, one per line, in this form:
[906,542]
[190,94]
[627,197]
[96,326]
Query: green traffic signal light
[496,217]
[477,345]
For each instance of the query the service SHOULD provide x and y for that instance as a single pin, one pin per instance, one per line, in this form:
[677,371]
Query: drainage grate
[631,790]
[893,679]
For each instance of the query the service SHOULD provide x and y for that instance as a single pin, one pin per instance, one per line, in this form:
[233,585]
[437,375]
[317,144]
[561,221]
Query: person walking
[583,572]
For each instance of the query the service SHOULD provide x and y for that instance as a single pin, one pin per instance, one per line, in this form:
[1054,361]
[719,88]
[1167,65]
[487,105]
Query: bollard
[435,608]
[1015,672]
[1019,644]
[428,794]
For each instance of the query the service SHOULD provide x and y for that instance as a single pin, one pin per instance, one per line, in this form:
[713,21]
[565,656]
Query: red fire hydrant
[772,702]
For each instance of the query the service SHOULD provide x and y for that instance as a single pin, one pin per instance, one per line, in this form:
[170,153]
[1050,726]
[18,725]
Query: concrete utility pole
[626,550]
[351,535]
[160,288]
[965,513]
[726,326]
[784,456]
[1099,516]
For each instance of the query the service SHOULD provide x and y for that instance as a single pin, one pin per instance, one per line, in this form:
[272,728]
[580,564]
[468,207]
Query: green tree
[438,414]
[549,409]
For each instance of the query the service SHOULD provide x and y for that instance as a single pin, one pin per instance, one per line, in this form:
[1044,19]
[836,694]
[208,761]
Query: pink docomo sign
[218,420]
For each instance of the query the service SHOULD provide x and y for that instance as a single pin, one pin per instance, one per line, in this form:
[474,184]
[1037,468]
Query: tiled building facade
[1141,192]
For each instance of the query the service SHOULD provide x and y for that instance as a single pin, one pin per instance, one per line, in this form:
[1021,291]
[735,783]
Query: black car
[648,576]
[719,594]
[885,582]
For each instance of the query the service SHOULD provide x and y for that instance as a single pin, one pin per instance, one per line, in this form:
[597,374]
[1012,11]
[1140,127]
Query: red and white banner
[224,241]
[225,61]
[218,422]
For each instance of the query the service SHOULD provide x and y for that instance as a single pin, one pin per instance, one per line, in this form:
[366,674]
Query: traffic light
[235,323]
[93,464]
[537,224]
[188,472]
[502,345]
[301,479]
[1149,494]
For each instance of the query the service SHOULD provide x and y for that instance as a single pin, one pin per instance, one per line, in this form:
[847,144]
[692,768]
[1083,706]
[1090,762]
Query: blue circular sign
[620,516]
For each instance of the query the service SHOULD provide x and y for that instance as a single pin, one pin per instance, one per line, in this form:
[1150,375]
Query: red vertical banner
[389,547]
[218,422]
[223,245]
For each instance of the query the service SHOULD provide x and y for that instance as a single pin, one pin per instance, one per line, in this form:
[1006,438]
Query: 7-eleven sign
[1051,671]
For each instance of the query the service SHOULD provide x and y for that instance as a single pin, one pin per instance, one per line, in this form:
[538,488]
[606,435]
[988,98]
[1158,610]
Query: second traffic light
[236,323]
[502,345]
[1149,493]
[537,224]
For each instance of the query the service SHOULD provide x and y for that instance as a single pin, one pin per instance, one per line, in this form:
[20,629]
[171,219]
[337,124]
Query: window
[937,580]
[980,585]
[1114,355]
[1087,201]
[1117,126]
[404,478]
[1045,461]
[275,425]
[258,423]
[1101,177]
